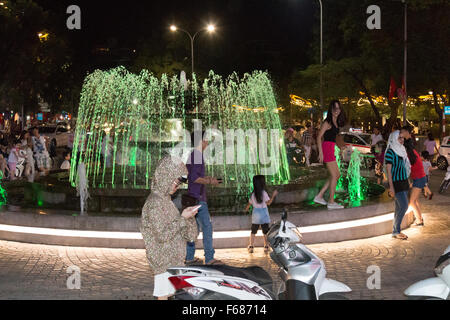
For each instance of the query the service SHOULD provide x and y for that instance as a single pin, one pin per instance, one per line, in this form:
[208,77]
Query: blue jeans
[401,206]
[204,224]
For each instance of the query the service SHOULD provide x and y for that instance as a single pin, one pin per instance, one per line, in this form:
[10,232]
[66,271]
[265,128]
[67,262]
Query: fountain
[127,122]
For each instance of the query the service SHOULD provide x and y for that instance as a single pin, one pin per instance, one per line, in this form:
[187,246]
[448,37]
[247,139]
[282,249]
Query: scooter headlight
[195,292]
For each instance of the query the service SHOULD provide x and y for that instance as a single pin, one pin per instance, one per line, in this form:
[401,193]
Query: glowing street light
[210,29]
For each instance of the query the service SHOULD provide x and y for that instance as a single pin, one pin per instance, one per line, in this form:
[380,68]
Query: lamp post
[405,62]
[210,28]
[321,53]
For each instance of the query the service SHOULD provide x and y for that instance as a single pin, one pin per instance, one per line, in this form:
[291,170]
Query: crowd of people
[170,236]
[27,156]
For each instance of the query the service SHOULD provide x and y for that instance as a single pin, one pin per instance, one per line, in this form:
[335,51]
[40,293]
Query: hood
[168,170]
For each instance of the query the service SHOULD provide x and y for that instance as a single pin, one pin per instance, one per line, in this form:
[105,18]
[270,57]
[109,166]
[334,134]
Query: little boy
[428,167]
[66,164]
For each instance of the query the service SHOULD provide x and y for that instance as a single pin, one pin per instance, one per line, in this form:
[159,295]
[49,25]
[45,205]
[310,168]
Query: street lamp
[321,54]
[210,29]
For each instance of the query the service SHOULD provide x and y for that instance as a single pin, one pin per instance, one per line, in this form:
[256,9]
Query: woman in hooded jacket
[164,230]
[398,170]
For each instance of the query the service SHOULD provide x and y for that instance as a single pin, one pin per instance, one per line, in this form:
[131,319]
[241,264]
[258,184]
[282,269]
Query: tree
[31,65]
[358,59]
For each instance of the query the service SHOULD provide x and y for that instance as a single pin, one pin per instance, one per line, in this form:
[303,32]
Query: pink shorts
[328,149]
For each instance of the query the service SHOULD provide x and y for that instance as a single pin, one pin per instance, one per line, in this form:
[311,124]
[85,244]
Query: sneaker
[334,206]
[320,201]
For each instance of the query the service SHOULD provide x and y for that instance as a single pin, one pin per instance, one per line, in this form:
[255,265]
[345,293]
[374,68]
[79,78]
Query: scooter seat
[256,274]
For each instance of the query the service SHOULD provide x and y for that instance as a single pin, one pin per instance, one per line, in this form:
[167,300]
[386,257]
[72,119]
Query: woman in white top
[260,215]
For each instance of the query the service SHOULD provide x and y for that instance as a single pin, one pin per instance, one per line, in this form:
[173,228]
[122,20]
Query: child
[260,216]
[428,167]
[66,164]
[12,160]
[379,151]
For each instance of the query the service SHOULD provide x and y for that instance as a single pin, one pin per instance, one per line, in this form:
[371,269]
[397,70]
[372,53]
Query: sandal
[214,262]
[417,224]
[266,249]
[250,249]
[192,262]
[400,236]
[431,196]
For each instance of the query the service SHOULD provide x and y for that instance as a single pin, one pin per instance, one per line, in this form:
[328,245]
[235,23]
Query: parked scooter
[301,271]
[434,288]
[446,182]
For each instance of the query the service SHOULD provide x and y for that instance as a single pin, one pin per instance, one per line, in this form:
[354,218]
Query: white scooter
[434,288]
[302,272]
[446,182]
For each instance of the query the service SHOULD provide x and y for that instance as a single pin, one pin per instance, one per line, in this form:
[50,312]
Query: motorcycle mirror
[284,217]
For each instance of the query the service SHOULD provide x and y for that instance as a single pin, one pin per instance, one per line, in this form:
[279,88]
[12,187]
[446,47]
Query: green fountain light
[127,122]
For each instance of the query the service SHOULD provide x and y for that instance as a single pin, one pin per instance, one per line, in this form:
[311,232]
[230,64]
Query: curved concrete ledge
[122,232]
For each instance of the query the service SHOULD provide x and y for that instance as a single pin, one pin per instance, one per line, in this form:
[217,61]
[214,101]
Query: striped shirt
[399,175]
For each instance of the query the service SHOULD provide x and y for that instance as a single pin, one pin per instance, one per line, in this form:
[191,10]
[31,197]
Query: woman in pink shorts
[329,132]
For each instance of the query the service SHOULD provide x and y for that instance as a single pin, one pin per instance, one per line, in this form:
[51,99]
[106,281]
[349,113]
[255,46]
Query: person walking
[260,201]
[430,146]
[196,191]
[329,131]
[307,140]
[428,168]
[398,170]
[419,181]
[163,229]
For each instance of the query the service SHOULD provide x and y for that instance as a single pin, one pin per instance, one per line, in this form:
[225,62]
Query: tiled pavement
[40,272]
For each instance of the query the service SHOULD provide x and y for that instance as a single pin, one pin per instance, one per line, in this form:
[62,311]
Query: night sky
[273,35]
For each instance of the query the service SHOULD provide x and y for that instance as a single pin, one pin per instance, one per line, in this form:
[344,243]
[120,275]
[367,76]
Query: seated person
[66,163]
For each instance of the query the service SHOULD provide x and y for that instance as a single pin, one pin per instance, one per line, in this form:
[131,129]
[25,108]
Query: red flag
[392,89]
[401,93]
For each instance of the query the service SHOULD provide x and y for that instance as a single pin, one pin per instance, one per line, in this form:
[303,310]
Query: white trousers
[307,154]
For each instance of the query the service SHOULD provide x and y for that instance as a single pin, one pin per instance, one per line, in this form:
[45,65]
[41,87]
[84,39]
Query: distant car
[443,159]
[358,141]
[58,135]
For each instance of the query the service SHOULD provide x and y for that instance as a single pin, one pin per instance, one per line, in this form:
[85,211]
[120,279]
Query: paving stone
[29,271]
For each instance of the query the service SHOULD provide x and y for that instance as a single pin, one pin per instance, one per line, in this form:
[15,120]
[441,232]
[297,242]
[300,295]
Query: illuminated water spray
[354,177]
[126,123]
[351,179]
[3,193]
